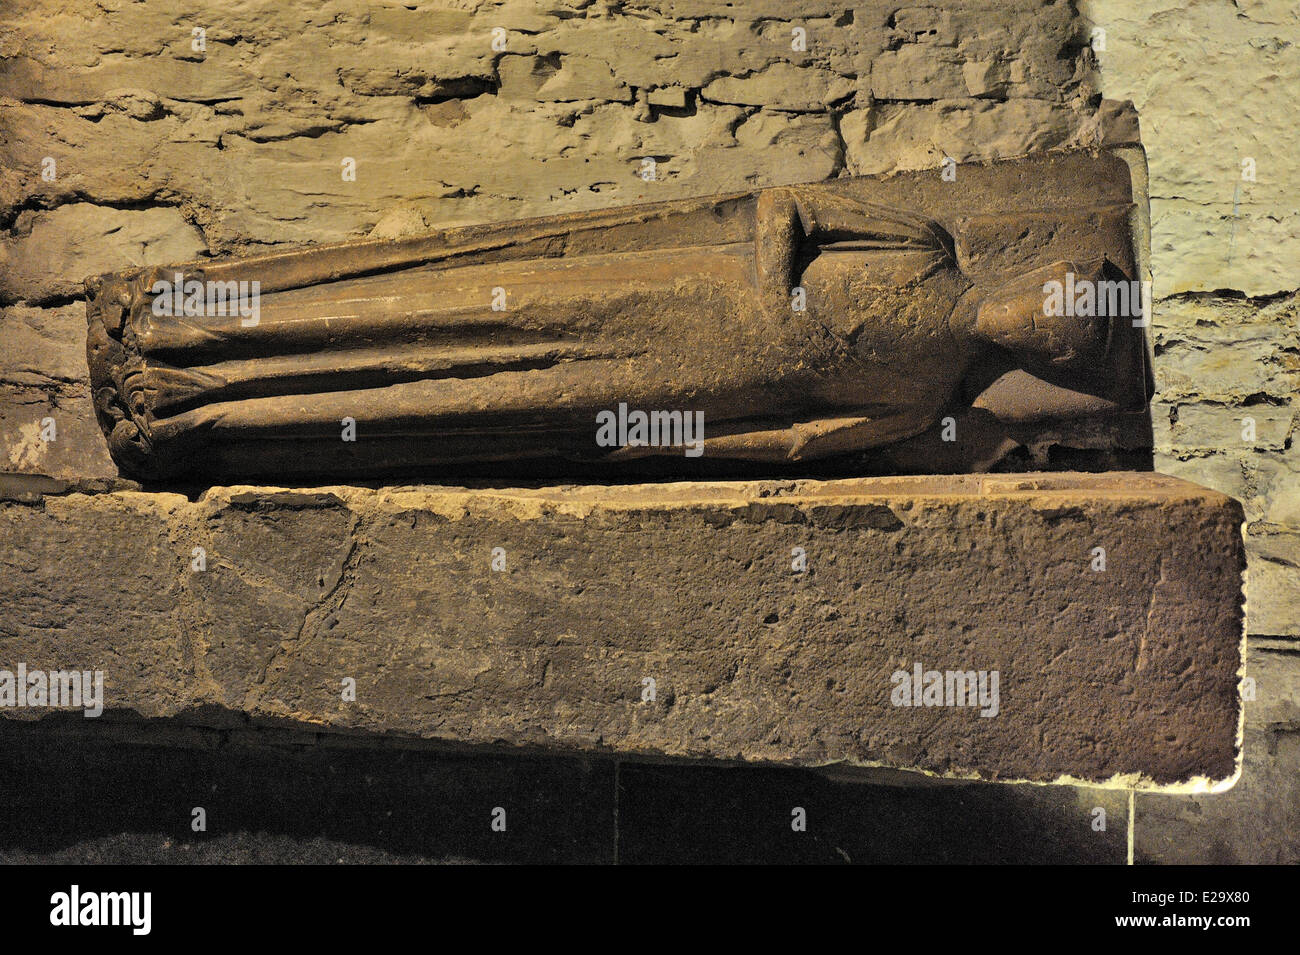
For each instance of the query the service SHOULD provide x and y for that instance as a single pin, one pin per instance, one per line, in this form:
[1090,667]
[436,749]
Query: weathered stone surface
[246,141]
[889,136]
[799,324]
[1127,675]
[247,134]
[51,253]
[1002,233]
[1225,415]
[236,147]
[1214,84]
[1258,821]
[43,380]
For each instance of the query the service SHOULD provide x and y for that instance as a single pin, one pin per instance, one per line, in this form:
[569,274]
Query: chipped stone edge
[531,503]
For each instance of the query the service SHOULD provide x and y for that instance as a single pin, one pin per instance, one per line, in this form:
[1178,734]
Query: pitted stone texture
[47,418]
[245,137]
[124,144]
[1215,85]
[1227,372]
[1258,822]
[1007,218]
[1128,675]
[54,252]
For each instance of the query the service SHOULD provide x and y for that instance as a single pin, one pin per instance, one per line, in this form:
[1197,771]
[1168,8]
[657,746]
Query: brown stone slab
[1122,676]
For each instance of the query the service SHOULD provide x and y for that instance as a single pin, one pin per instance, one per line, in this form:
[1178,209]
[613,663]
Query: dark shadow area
[744,816]
[983,444]
[125,793]
[70,793]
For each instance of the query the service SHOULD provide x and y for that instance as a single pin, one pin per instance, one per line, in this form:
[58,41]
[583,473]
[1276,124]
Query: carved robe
[801,323]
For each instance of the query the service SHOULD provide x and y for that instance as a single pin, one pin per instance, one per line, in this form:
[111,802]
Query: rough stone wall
[156,151]
[240,146]
[1215,86]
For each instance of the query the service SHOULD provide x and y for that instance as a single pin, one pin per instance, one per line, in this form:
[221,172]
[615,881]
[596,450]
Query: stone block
[766,622]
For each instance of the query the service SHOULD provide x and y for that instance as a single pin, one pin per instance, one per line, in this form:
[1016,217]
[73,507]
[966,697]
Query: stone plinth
[780,622]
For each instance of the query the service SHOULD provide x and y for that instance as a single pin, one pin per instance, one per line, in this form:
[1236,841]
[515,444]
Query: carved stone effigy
[846,622]
[791,324]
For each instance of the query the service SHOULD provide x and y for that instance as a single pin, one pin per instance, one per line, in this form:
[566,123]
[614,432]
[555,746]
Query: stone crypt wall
[128,138]
[1213,84]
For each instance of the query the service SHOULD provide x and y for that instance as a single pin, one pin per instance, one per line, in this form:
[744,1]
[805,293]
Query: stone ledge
[1126,676]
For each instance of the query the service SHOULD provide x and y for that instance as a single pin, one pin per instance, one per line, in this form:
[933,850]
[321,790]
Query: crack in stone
[1140,659]
[326,604]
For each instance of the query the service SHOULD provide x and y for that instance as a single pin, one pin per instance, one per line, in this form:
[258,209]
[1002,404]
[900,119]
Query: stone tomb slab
[803,623]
